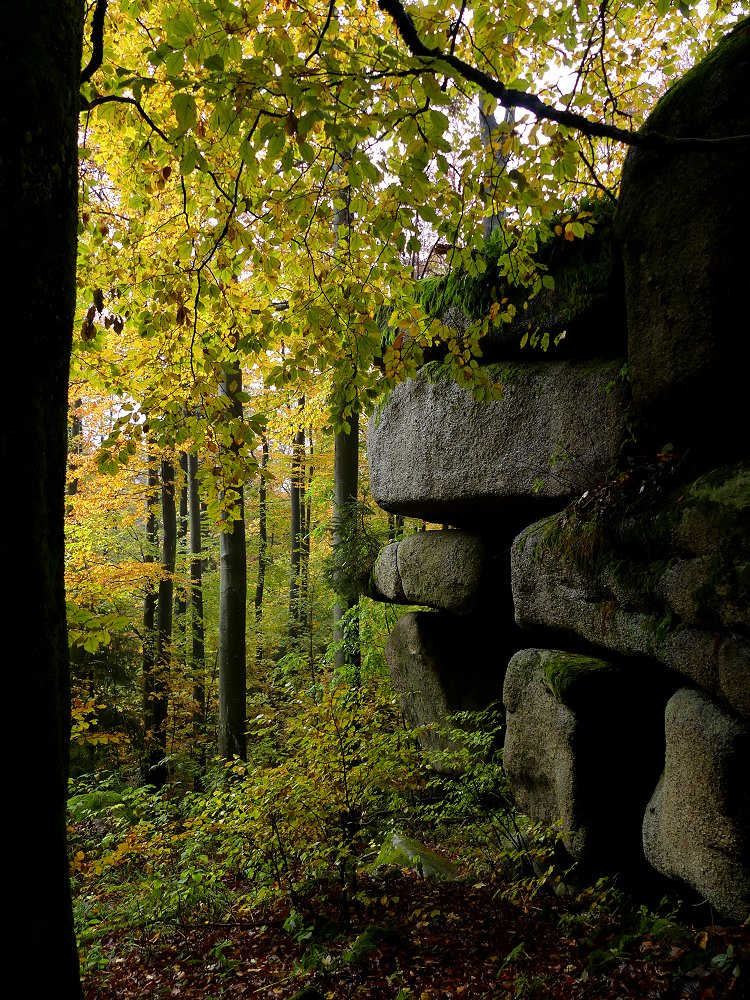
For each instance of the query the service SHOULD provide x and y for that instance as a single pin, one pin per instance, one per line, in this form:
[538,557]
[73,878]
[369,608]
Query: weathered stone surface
[697,825]
[552,590]
[436,453]
[570,756]
[407,852]
[435,569]
[440,666]
[682,222]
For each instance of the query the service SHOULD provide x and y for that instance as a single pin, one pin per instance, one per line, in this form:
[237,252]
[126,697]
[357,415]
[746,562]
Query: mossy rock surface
[406,852]
[566,674]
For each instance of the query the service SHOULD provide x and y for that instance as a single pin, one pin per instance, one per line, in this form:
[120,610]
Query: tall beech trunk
[197,627]
[262,550]
[157,750]
[345,486]
[345,480]
[149,619]
[180,624]
[297,501]
[40,65]
[233,606]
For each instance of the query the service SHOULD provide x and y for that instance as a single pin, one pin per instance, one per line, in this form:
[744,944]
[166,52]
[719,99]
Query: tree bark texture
[233,610]
[345,492]
[40,62]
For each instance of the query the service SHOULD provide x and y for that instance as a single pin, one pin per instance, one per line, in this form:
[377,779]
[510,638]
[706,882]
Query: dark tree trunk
[179,626]
[197,628]
[160,689]
[262,550]
[345,486]
[233,609]
[40,61]
[296,603]
[149,621]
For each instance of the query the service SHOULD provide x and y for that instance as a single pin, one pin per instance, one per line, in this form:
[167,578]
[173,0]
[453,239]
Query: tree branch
[97,41]
[510,98]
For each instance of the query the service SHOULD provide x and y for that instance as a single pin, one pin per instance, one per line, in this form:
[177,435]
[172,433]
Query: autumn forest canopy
[266,188]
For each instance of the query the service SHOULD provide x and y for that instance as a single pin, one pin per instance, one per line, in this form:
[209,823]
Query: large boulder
[440,666]
[437,453]
[571,755]
[682,221]
[448,570]
[671,583]
[697,825]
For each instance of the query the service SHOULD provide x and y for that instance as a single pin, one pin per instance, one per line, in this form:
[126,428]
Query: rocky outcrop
[437,453]
[697,825]
[605,556]
[682,223]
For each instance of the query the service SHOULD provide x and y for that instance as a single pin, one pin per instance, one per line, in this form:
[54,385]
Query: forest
[229,224]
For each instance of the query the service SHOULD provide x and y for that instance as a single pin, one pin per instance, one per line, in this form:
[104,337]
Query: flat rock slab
[438,454]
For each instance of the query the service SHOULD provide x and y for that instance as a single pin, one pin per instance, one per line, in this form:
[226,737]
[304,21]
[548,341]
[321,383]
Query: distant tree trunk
[149,620]
[180,624]
[488,126]
[160,687]
[75,447]
[345,483]
[297,500]
[305,567]
[262,550]
[197,628]
[345,487]
[395,527]
[233,607]
[40,66]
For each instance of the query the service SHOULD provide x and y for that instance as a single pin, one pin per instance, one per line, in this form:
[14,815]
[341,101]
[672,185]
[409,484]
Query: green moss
[728,486]
[563,672]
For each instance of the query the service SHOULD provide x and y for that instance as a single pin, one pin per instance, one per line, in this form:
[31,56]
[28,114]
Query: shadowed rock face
[697,824]
[440,667]
[570,755]
[437,453]
[682,221]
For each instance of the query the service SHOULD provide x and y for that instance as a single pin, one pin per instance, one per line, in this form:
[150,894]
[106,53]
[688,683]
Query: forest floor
[407,938]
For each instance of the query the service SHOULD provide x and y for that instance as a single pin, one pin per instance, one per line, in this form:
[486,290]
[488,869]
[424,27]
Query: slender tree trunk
[305,567]
[160,688]
[297,498]
[262,550]
[197,628]
[345,487]
[40,64]
[395,527]
[345,484]
[487,129]
[233,609]
[180,625]
[149,621]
